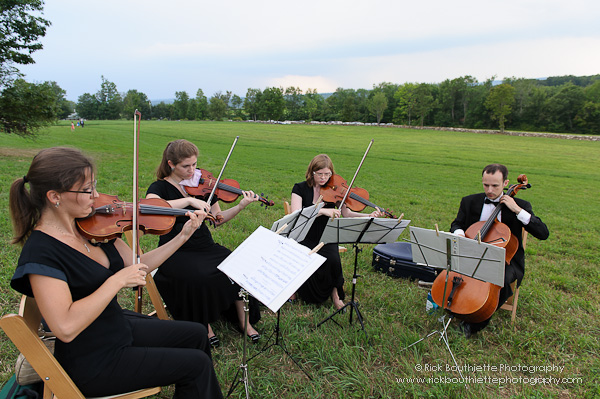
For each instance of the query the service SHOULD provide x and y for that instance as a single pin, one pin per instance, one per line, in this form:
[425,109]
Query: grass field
[554,351]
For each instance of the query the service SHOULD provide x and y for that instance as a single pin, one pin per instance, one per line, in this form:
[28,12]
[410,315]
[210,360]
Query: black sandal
[254,338]
[214,341]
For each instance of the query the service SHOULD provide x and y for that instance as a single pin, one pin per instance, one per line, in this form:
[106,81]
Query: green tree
[136,100]
[27,107]
[110,103]
[388,89]
[202,105]
[87,106]
[180,105]
[272,104]
[377,104]
[293,103]
[564,106]
[499,102]
[424,101]
[65,107]
[217,108]
[313,104]
[20,29]
[162,110]
[236,104]
[406,102]
[252,103]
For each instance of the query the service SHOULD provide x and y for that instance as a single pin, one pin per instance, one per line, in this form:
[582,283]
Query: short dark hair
[495,167]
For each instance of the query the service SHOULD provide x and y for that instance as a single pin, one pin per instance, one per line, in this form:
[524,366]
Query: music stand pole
[244,365]
[443,333]
[353,304]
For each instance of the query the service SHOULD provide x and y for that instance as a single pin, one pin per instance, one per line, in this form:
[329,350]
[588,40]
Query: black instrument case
[395,259]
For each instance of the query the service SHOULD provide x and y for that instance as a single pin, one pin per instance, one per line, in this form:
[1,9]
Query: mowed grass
[554,349]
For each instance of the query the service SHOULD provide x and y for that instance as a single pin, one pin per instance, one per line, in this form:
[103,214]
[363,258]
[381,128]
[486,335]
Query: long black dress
[318,287]
[189,281]
[117,354]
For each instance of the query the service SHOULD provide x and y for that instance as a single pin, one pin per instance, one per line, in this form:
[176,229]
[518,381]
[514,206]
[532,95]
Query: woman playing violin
[189,281]
[75,284]
[328,280]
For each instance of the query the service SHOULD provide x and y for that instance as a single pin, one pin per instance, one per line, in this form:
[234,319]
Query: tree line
[569,104]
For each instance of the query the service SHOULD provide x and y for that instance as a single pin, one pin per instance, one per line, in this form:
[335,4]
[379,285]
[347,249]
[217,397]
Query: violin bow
[221,172]
[136,201]
[356,174]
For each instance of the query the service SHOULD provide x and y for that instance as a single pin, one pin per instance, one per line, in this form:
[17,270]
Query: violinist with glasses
[328,280]
[75,285]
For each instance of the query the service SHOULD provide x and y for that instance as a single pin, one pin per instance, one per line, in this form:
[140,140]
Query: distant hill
[162,100]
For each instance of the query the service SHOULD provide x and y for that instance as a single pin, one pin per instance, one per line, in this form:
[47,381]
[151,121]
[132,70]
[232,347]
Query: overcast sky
[160,47]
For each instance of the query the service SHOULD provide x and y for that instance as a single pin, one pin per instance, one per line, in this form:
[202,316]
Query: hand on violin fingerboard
[249,197]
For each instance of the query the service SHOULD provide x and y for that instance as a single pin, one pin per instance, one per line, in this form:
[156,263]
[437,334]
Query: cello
[467,298]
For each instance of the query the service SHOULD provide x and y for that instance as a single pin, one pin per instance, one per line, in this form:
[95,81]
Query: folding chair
[511,303]
[22,331]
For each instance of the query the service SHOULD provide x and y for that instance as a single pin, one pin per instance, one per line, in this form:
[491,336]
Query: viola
[111,217]
[358,199]
[227,190]
[470,299]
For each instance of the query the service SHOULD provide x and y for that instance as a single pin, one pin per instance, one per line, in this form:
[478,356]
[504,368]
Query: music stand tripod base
[279,342]
[352,304]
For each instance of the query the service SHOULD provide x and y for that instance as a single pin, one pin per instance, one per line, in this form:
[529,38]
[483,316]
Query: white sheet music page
[270,267]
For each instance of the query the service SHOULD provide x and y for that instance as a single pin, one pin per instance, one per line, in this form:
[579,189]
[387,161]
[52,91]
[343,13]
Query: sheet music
[299,222]
[270,267]
[467,255]
[349,230]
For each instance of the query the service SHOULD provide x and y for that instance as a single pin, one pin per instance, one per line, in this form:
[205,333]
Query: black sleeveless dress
[318,287]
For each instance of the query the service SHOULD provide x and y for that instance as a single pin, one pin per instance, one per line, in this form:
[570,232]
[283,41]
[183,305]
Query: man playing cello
[516,214]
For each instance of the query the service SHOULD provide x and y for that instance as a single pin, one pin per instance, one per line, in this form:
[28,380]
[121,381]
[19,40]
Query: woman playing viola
[328,280]
[75,284]
[189,281]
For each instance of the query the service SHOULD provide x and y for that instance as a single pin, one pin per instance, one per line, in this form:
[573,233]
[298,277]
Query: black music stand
[297,224]
[462,255]
[360,231]
[270,267]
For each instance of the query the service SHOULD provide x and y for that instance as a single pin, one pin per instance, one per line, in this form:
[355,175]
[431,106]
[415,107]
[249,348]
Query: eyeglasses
[90,192]
[328,174]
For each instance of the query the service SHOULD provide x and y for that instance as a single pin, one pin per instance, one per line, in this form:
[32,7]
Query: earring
[57,203]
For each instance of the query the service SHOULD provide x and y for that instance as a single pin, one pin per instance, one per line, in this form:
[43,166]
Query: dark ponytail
[57,168]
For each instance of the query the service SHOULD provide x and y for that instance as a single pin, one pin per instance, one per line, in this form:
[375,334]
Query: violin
[470,299]
[227,190]
[111,217]
[358,199]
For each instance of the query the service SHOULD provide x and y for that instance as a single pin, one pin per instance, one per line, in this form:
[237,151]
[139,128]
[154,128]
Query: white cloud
[322,84]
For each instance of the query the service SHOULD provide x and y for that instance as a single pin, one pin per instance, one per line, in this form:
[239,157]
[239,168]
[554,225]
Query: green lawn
[420,173]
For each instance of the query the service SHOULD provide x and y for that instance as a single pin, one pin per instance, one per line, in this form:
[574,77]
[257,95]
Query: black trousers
[510,274]
[164,352]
